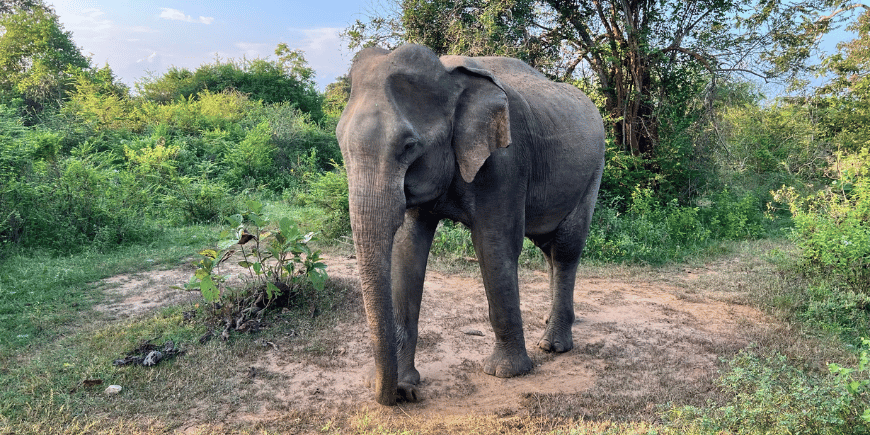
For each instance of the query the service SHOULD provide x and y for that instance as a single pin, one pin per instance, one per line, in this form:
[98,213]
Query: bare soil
[640,341]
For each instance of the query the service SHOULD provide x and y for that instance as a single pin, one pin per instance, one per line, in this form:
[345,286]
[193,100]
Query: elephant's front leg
[410,254]
[498,251]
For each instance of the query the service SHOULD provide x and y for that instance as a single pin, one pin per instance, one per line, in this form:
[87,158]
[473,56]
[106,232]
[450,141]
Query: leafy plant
[276,255]
[832,227]
[856,381]
[776,395]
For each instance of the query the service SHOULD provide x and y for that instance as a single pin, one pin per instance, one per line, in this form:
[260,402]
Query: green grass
[41,294]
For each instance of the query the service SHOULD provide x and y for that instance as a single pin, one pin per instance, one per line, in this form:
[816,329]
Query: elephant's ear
[482,119]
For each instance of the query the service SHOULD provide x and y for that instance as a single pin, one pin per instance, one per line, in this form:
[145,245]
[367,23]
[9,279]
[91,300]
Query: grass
[52,341]
[41,294]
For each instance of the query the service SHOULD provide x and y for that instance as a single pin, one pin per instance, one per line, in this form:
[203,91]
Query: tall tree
[845,100]
[37,57]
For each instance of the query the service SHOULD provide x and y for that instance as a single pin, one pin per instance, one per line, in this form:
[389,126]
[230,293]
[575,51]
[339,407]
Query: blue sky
[135,37]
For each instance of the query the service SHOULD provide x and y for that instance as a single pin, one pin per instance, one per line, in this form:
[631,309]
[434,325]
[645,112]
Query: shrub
[649,231]
[328,192]
[251,162]
[296,135]
[775,395]
[832,227]
[281,265]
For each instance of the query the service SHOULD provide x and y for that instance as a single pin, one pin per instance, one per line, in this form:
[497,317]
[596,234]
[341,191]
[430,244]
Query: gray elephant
[488,142]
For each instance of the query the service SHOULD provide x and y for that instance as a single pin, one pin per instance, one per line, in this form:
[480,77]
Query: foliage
[289,79]
[650,231]
[856,381]
[328,192]
[832,227]
[303,146]
[279,262]
[775,395]
[103,103]
[35,57]
[205,111]
[336,96]
[251,161]
[844,102]
[769,146]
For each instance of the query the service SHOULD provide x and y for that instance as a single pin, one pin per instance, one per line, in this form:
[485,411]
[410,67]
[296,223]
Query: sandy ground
[636,344]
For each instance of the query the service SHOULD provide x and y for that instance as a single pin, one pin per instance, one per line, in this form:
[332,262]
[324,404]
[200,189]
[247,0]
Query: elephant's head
[410,124]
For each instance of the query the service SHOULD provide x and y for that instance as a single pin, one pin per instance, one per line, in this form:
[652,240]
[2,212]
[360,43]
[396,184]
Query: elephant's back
[561,138]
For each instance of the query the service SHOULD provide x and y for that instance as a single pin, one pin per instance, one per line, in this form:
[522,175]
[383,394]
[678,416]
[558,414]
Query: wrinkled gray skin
[488,142]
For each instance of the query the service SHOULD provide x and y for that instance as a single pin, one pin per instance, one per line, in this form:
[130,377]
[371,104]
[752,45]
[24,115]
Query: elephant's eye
[408,153]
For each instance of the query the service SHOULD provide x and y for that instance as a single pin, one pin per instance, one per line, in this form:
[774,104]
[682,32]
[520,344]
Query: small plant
[279,262]
[856,382]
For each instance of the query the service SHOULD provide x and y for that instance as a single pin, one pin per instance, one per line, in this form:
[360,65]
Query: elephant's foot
[556,339]
[406,391]
[506,364]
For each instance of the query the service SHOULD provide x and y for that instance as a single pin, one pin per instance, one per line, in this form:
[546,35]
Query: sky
[140,37]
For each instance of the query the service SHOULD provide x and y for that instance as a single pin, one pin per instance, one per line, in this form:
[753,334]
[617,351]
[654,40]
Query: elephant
[488,142]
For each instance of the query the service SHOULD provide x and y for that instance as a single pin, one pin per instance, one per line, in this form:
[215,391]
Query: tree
[468,27]
[35,57]
[647,57]
[10,6]
[845,100]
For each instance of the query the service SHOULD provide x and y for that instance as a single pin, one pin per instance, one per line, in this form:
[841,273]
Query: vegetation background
[94,173]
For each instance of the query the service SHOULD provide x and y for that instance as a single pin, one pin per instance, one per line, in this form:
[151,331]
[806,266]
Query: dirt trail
[636,344]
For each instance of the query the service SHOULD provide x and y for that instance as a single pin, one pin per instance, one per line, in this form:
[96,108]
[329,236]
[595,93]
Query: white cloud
[175,14]
[253,50]
[150,59]
[324,51]
[88,23]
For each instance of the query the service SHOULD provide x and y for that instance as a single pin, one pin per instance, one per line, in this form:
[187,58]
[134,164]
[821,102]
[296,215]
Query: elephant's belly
[541,220]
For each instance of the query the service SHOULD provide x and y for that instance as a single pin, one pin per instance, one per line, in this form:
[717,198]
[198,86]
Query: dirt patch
[637,344]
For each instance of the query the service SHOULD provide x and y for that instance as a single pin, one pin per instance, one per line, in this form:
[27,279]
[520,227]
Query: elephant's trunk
[377,211]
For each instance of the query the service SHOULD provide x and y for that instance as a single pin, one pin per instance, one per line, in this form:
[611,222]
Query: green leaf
[254,206]
[235,220]
[224,244]
[246,264]
[286,226]
[209,291]
[271,290]
[258,267]
[202,273]
[318,279]
[854,387]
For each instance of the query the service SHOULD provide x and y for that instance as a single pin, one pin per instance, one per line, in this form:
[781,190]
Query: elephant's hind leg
[562,250]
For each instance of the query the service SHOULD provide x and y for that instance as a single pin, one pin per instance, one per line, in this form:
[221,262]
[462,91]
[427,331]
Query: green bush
[328,192]
[199,201]
[776,395]
[296,134]
[251,163]
[834,308]
[655,233]
[79,203]
[452,241]
[832,227]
